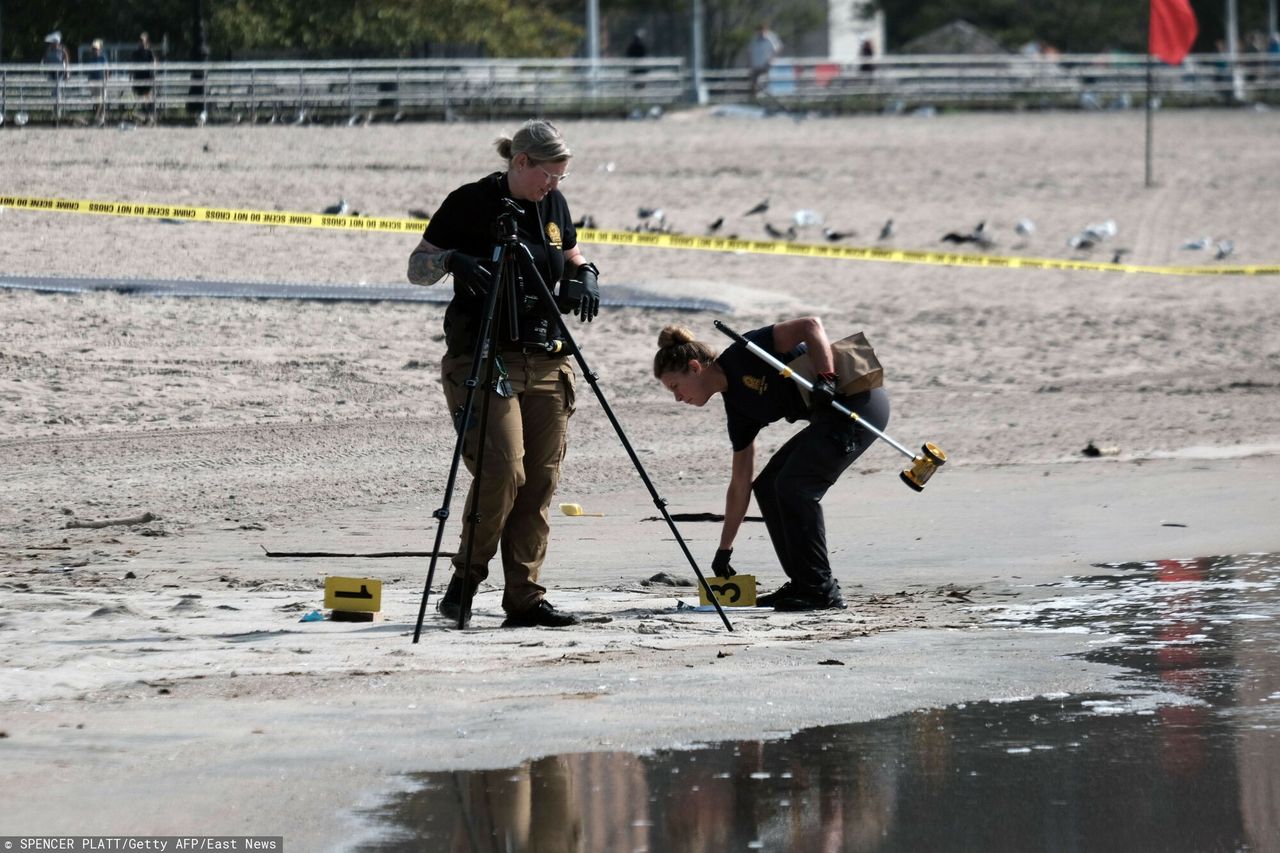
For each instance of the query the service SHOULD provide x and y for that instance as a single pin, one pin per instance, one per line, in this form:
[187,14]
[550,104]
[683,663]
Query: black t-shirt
[143,54]
[466,222]
[757,395]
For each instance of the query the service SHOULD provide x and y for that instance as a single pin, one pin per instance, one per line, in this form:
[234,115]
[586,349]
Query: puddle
[1186,759]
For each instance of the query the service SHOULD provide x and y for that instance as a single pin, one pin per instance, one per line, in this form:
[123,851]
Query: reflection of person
[143,77]
[530,407]
[793,482]
[532,808]
[98,74]
[764,46]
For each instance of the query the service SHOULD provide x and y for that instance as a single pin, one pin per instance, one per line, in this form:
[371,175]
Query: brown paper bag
[857,368]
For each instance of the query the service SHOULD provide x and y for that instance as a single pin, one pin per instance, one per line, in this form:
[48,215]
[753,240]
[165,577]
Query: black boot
[451,603]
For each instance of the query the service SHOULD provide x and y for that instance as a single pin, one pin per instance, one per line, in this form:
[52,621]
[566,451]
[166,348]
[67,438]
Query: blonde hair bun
[674,336]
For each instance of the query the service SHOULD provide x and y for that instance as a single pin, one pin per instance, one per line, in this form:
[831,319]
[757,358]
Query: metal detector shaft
[788,373]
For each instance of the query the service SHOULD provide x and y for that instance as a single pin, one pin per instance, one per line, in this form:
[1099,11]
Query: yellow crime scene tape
[652,240]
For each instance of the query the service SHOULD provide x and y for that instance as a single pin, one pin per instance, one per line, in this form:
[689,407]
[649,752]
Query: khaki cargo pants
[525,443]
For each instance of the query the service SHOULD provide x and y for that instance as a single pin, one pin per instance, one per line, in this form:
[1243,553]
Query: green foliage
[387,28]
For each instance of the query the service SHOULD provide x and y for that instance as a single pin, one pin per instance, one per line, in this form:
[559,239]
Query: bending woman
[792,484]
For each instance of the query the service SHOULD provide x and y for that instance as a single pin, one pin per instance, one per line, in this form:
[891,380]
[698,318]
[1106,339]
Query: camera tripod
[507,299]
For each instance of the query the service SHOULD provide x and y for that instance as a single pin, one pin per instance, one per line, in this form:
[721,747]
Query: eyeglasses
[552,177]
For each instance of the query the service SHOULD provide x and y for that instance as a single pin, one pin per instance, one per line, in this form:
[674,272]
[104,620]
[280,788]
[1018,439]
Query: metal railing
[1005,81]
[369,90]
[355,91]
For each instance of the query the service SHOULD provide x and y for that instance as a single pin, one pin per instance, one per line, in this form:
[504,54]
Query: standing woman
[530,406]
[793,482]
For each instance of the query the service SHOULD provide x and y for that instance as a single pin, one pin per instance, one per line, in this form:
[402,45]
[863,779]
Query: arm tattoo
[427,264]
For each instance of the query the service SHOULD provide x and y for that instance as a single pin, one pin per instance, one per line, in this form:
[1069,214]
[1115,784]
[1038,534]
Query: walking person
[58,61]
[98,76]
[530,406]
[789,489]
[144,78]
[761,50]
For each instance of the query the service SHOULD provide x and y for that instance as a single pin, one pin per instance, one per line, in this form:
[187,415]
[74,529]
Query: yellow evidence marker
[353,599]
[737,591]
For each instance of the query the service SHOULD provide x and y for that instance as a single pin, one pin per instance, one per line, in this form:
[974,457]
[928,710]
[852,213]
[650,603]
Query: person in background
[56,57]
[98,75]
[762,49]
[143,78]
[637,49]
[533,397]
[792,484]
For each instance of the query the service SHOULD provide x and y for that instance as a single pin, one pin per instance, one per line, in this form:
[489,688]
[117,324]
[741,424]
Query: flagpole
[1149,109]
[1150,112]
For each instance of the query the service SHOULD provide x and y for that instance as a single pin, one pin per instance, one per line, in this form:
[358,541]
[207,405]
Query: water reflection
[1188,760]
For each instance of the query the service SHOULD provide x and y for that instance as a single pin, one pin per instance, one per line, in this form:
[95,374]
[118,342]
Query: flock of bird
[981,236]
[802,222]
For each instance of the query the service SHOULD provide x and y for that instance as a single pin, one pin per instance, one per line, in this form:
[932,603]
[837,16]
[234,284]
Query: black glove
[823,393]
[469,274]
[589,307]
[720,565]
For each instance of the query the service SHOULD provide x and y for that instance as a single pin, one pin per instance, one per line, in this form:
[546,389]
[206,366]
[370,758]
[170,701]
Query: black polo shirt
[466,222]
[757,395]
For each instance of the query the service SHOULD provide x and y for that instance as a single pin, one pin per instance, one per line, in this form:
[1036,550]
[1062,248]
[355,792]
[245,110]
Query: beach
[156,677]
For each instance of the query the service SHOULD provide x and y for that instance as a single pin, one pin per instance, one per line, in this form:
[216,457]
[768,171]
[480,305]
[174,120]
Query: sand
[156,676]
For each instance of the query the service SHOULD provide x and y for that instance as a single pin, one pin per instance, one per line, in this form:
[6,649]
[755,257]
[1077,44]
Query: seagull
[587,221]
[977,236]
[1197,244]
[650,213]
[1093,234]
[1025,227]
[789,234]
[833,235]
[886,230]
[715,226]
[354,120]
[1222,249]
[339,209]
[806,218]
[419,213]
[1118,254]
[202,118]
[759,208]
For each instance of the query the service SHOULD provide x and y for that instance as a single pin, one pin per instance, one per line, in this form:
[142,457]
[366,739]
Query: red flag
[1173,29]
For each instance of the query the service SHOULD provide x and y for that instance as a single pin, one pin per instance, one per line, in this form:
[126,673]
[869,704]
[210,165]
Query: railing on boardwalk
[379,90]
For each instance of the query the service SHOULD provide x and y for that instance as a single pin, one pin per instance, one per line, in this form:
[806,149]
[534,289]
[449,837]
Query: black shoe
[769,598]
[541,615]
[799,598]
[450,604]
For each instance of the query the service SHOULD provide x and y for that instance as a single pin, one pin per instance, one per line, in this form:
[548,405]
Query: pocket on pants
[568,383]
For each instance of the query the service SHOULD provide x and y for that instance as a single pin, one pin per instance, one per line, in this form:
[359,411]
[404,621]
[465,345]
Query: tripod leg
[532,274]
[477,482]
[483,349]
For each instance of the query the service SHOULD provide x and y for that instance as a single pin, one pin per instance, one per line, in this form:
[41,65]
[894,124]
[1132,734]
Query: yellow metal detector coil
[931,458]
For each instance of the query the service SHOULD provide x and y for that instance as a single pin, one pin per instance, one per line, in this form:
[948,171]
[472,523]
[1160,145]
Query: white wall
[848,29]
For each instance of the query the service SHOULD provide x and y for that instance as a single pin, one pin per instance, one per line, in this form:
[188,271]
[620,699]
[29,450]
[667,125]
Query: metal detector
[517,271]
[931,456]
